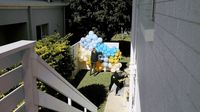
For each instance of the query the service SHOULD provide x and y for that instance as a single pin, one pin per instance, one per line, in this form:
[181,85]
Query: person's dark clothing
[94,59]
[94,56]
[115,80]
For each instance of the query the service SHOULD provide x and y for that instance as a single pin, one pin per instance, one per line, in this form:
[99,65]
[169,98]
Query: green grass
[98,86]
[121,37]
[125,59]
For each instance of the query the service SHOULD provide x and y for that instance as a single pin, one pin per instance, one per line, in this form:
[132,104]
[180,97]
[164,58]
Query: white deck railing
[26,97]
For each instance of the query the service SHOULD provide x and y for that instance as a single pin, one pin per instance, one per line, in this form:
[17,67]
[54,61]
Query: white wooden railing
[26,97]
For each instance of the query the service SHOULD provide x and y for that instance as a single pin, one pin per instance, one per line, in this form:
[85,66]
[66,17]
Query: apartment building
[30,19]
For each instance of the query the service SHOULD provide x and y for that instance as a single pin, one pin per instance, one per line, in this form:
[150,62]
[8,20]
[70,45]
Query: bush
[55,50]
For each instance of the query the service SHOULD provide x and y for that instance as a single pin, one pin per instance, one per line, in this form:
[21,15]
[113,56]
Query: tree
[105,17]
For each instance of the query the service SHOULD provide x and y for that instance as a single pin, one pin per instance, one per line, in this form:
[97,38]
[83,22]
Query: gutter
[30,3]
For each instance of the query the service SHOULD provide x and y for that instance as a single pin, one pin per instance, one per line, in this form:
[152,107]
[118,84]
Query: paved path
[117,103]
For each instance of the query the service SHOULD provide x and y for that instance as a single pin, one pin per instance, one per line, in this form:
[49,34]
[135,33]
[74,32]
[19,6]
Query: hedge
[55,50]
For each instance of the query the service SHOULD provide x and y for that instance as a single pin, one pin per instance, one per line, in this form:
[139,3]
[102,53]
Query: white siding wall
[169,66]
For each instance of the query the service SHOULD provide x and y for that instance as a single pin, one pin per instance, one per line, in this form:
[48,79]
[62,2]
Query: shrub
[55,50]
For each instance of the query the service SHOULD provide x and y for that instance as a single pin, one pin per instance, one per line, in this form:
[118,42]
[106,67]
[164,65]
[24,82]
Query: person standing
[94,59]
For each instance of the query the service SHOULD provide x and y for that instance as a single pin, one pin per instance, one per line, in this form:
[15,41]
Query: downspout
[30,23]
[64,22]
[131,83]
[137,106]
[134,97]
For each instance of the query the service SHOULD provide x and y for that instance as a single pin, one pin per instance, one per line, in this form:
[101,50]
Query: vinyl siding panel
[169,66]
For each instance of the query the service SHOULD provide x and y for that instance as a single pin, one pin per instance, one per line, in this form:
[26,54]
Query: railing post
[30,87]
[69,101]
[85,109]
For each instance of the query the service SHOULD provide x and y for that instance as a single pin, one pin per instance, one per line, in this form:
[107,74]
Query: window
[153,10]
[147,18]
[42,31]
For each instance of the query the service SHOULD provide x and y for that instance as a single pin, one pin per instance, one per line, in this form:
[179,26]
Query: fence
[75,54]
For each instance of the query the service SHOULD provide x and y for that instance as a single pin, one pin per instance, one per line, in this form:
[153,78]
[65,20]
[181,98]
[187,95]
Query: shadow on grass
[79,76]
[96,93]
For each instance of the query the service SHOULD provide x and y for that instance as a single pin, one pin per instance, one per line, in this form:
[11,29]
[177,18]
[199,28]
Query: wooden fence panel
[10,102]
[50,102]
[21,108]
[10,60]
[10,79]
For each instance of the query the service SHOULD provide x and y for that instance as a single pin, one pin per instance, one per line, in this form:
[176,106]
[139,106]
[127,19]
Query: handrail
[5,4]
[33,67]
[78,98]
[15,47]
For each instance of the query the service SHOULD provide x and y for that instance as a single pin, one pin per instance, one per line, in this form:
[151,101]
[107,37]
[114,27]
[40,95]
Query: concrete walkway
[117,103]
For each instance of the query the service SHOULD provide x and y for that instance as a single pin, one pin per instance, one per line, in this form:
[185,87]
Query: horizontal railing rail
[50,77]
[18,89]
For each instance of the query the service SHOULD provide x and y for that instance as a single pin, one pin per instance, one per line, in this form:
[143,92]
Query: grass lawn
[95,88]
[121,37]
